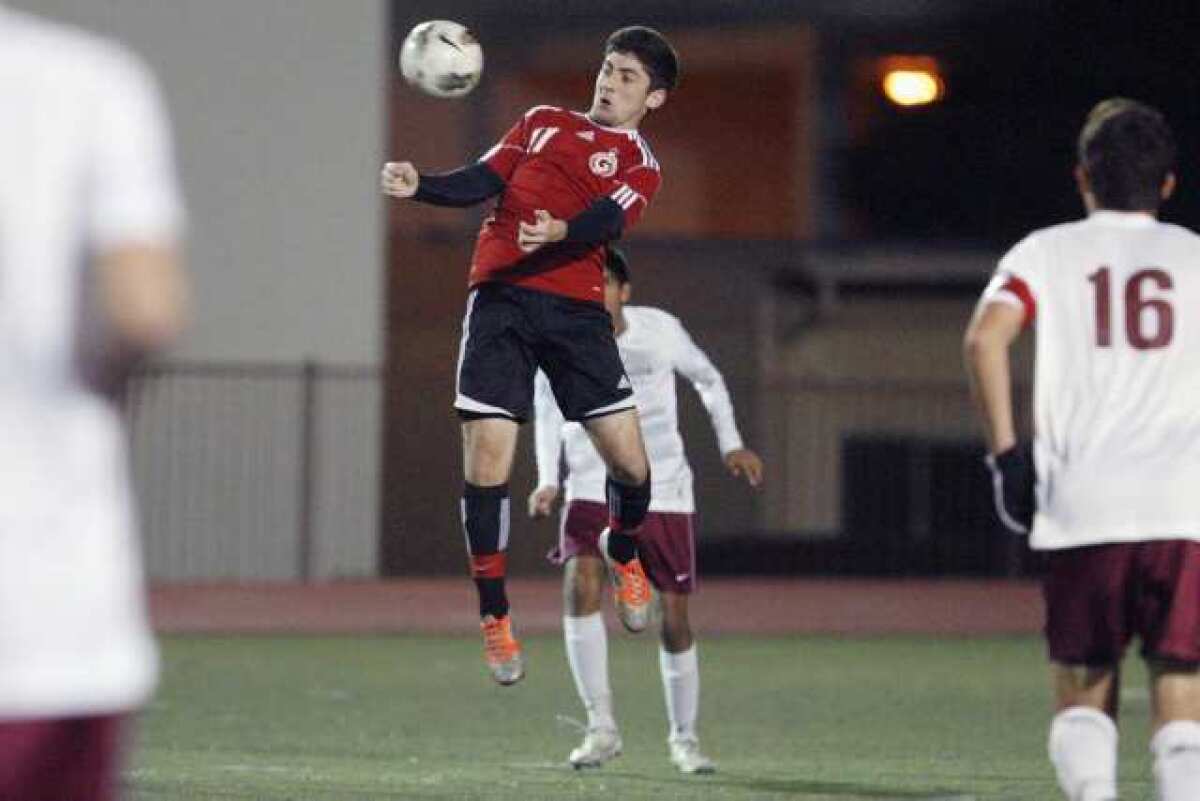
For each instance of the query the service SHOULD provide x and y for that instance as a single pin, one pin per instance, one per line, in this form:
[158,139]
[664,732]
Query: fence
[271,472]
[257,471]
[875,477]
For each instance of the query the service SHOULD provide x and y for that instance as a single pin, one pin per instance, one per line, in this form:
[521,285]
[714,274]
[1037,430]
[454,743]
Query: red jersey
[562,162]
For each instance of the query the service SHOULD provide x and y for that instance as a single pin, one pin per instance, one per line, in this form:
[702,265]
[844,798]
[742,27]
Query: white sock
[1176,750]
[681,685]
[1083,748]
[587,653]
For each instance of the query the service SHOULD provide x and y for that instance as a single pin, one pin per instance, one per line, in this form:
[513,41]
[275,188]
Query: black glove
[1012,487]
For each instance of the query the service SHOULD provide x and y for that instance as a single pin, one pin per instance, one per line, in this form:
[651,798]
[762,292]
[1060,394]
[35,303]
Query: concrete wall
[278,111]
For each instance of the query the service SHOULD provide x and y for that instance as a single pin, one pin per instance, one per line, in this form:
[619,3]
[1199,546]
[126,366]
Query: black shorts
[509,332]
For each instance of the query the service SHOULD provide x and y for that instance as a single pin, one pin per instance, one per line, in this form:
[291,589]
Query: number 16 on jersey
[1149,321]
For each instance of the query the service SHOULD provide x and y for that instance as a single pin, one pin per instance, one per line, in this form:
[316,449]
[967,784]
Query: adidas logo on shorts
[624,383]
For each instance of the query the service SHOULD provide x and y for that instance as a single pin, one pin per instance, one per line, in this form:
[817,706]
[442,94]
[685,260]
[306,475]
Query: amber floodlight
[911,80]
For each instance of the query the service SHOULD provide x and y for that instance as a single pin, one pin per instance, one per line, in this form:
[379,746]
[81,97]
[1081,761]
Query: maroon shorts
[60,759]
[1098,597]
[666,544]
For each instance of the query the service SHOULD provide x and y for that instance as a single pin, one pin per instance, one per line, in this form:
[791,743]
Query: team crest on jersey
[604,163]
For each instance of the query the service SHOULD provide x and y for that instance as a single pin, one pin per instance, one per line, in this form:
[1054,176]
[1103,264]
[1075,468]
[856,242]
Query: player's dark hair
[616,265]
[1126,149]
[652,49]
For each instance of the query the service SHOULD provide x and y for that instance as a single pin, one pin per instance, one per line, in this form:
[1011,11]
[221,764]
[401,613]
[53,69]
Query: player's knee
[630,473]
[676,640]
[485,467]
[1077,685]
[580,603]
[583,587]
[488,448]
[676,635]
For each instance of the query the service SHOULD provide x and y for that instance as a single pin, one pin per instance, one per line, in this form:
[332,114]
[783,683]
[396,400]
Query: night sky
[994,159]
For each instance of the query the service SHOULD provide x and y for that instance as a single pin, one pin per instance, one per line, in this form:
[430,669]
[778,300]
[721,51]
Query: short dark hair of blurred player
[568,183]
[655,346]
[90,216]
[1108,488]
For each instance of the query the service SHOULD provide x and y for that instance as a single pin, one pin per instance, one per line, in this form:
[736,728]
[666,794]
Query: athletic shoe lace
[635,588]
[498,642]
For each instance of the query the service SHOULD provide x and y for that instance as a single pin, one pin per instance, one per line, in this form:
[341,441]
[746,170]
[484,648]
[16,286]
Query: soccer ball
[441,58]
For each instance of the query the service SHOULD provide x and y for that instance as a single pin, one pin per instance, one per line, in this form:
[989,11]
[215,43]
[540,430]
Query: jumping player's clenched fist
[542,231]
[399,179]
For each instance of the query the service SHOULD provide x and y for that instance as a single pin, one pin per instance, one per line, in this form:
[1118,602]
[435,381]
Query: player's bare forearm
[143,298]
[144,294]
[989,336]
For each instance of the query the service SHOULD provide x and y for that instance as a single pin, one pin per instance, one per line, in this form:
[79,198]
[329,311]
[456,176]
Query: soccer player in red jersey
[1113,499]
[567,183]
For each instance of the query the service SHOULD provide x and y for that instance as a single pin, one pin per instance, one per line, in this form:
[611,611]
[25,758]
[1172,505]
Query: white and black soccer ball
[441,58]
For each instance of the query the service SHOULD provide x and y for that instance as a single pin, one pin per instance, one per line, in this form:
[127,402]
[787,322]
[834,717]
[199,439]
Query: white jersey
[85,165]
[654,346]
[1116,300]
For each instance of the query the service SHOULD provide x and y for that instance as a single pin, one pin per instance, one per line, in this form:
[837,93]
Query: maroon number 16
[1136,308]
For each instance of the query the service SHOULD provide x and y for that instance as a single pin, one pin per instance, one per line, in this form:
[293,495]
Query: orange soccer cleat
[501,650]
[632,591]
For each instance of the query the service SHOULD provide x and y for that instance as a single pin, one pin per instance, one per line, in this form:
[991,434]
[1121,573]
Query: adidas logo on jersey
[624,383]
[587,136]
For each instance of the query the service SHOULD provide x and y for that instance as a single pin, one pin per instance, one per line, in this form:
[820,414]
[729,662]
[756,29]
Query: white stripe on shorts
[619,406]
[461,401]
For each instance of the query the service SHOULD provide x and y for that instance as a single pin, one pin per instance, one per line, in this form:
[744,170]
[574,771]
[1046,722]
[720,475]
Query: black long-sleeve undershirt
[459,188]
[603,221]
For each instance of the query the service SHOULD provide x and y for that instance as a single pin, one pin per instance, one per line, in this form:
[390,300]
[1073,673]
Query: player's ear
[626,292]
[1168,186]
[656,99]
[1083,184]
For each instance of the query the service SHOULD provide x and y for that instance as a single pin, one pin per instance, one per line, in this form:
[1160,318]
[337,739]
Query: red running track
[721,606]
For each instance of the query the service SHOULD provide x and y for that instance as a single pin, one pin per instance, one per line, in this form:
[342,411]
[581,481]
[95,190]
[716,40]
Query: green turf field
[350,718]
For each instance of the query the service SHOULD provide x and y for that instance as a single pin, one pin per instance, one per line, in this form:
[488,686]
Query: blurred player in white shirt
[89,216]
[654,346]
[1109,489]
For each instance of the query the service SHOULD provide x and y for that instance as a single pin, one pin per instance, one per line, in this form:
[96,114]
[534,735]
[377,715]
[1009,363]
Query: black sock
[492,598]
[485,516]
[627,503]
[622,547]
[627,507]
